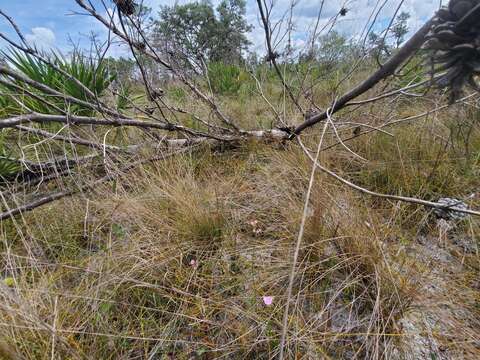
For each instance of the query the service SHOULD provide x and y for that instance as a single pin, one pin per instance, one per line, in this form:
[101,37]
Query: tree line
[196,34]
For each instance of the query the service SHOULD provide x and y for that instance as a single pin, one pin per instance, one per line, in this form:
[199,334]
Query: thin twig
[297,247]
[410,47]
[386,196]
[69,192]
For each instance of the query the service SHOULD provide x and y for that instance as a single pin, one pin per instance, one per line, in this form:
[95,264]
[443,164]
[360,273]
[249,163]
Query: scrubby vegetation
[176,257]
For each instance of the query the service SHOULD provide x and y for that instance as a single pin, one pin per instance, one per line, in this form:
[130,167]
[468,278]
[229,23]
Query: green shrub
[93,74]
[227,79]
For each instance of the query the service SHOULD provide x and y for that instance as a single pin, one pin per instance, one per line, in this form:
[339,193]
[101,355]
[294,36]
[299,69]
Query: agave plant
[94,75]
[455,42]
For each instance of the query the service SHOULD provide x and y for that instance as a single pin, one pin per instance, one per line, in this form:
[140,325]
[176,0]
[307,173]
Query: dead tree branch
[406,51]
[406,199]
[46,199]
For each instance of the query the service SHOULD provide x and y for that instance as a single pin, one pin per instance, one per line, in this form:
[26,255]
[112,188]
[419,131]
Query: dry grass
[173,260]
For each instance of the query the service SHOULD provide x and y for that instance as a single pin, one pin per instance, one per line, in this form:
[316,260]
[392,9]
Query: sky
[57,23]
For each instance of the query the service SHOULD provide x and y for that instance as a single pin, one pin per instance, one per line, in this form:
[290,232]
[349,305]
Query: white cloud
[41,37]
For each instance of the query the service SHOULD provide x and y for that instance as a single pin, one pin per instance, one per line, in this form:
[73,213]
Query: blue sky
[44,22]
[51,23]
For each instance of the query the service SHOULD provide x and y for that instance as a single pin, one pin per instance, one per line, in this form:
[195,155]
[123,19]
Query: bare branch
[410,47]
[73,140]
[385,196]
[85,120]
[140,47]
[66,193]
[272,55]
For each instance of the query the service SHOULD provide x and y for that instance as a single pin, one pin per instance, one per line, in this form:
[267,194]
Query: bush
[228,79]
[94,75]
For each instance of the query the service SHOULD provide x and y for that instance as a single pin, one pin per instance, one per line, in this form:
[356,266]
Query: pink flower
[193,263]
[268,300]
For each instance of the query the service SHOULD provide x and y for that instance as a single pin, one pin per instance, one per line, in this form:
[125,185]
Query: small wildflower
[193,263]
[268,300]
[256,229]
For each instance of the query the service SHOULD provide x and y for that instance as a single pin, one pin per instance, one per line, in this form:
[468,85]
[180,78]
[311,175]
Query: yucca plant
[15,100]
[93,74]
